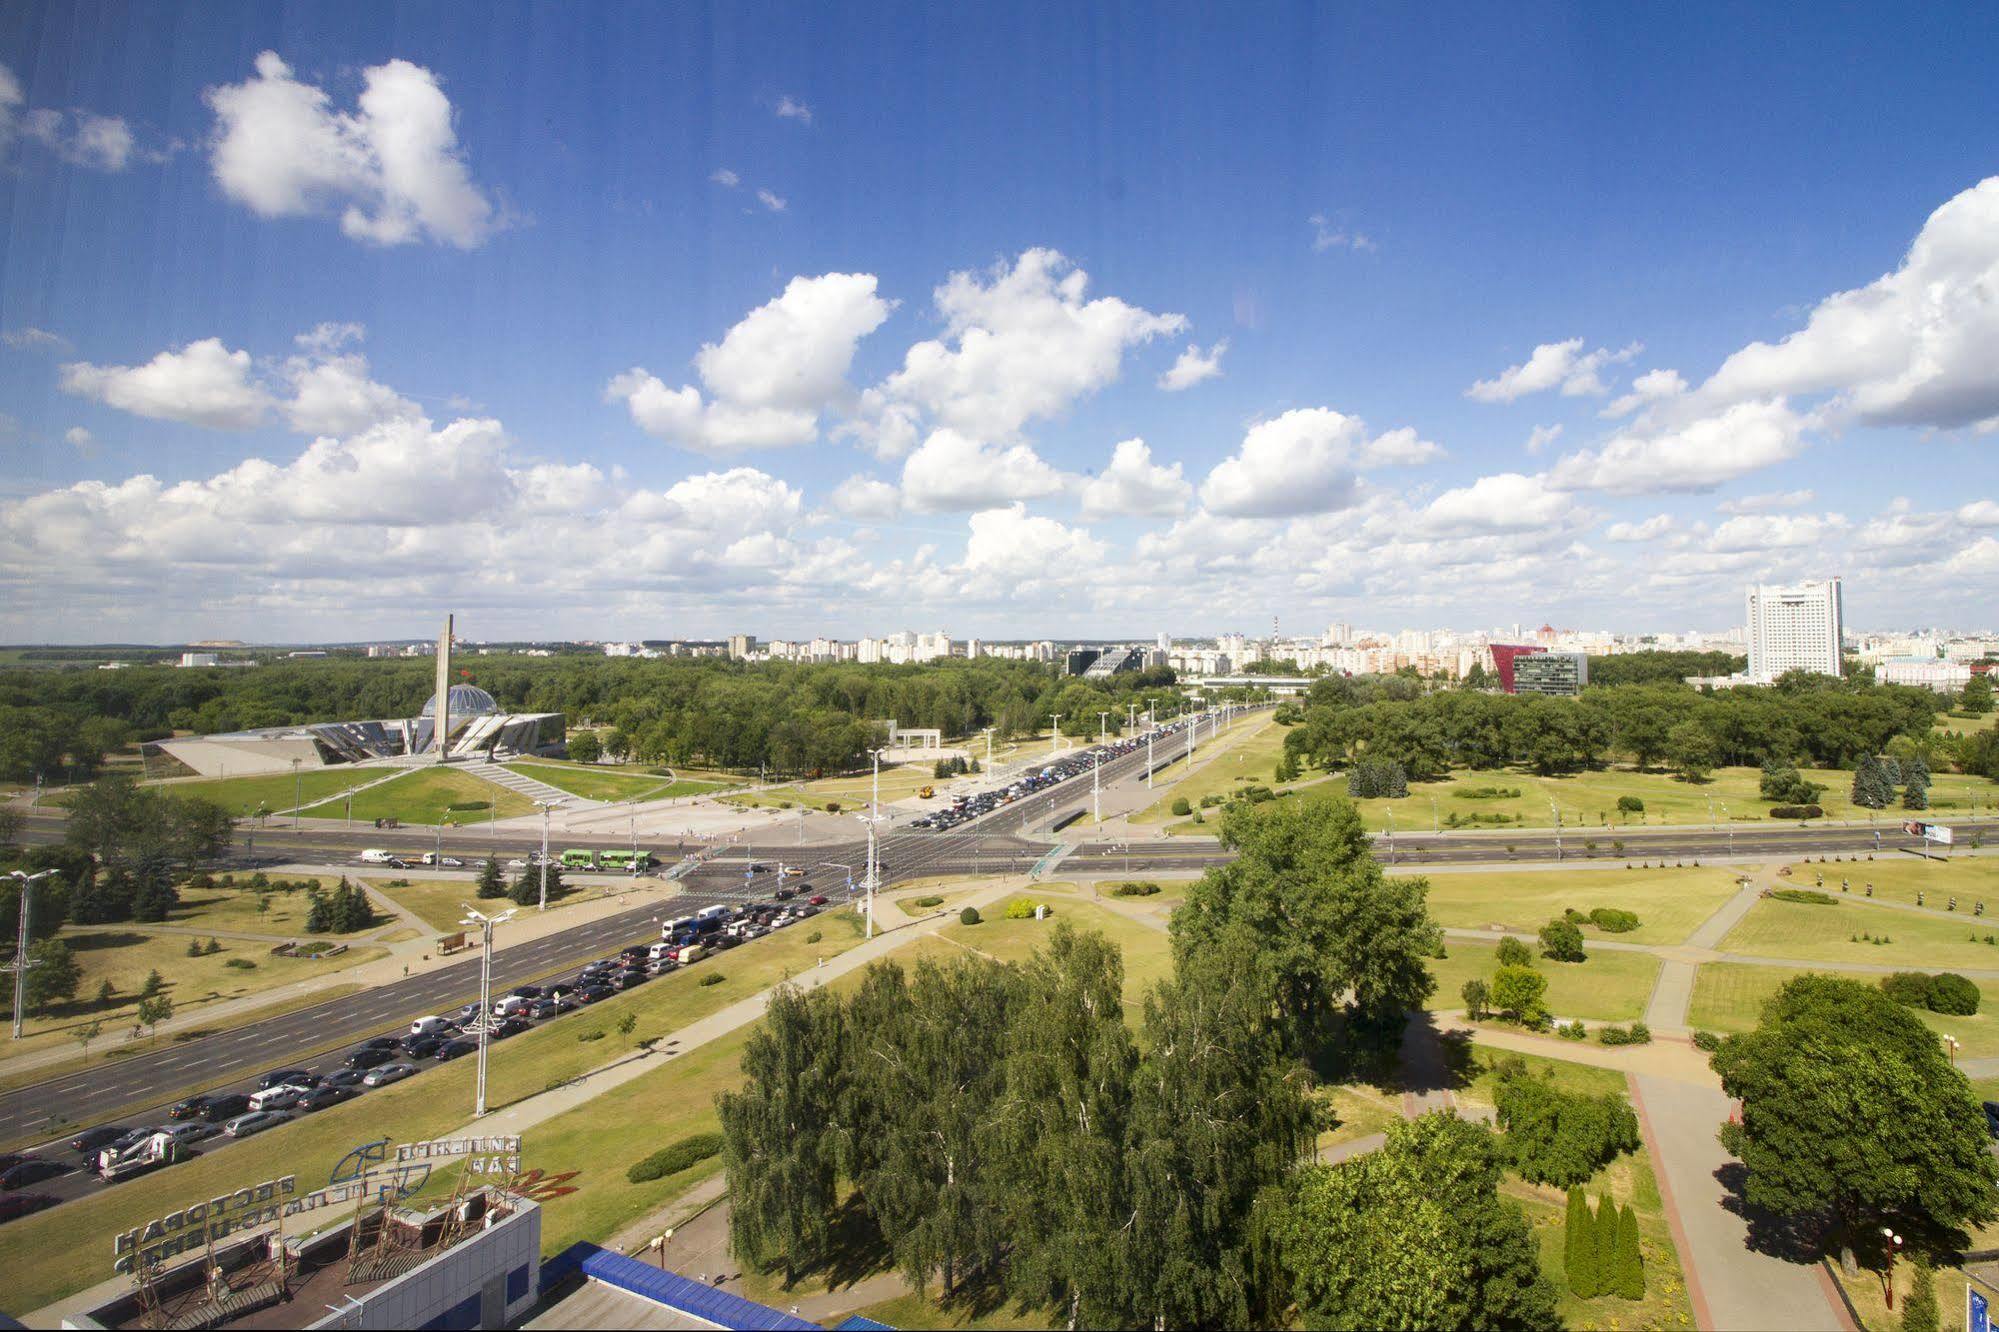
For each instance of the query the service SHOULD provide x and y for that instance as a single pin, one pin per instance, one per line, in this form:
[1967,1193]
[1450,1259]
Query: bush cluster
[1614,920]
[675,1158]
[1600,1249]
[1562,941]
[1630,805]
[1946,992]
[1371,777]
[1635,1034]
[1557,1137]
[1797,812]
[1135,890]
[1021,908]
[969,916]
[1806,896]
[1181,807]
[1487,793]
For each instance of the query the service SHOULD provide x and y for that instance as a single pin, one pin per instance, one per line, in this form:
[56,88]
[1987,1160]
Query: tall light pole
[1131,713]
[484,924]
[1148,756]
[298,792]
[1055,733]
[1390,811]
[1096,788]
[21,959]
[1103,728]
[989,748]
[1731,831]
[1558,830]
[547,807]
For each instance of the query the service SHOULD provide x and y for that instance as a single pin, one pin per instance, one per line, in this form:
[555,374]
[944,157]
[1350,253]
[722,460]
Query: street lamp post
[1391,834]
[1731,831]
[989,748]
[298,792]
[1556,811]
[1148,756]
[1096,788]
[1103,728]
[484,924]
[1055,733]
[21,960]
[547,807]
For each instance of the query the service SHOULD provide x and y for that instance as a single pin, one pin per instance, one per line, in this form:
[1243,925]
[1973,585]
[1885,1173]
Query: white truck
[147,1154]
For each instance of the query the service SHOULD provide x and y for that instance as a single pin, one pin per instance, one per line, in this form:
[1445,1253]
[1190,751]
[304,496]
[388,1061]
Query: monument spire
[440,731]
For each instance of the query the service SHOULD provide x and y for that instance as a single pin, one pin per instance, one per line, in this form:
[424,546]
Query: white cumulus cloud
[1194,366]
[1135,485]
[790,108]
[1697,456]
[954,471]
[1563,365]
[1503,502]
[203,383]
[1651,529]
[866,499]
[1305,461]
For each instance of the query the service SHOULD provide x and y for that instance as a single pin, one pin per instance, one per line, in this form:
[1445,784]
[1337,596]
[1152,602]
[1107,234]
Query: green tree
[778,1145]
[318,912]
[153,984]
[1579,1247]
[1872,788]
[526,889]
[1557,1137]
[492,883]
[1413,1235]
[1919,1311]
[1513,953]
[1521,992]
[53,974]
[1320,920]
[1064,1114]
[1851,1110]
[1916,784]
[1692,750]
[153,1011]
[86,1034]
[1562,940]
[1630,1258]
[1477,997]
[1976,696]
[584,747]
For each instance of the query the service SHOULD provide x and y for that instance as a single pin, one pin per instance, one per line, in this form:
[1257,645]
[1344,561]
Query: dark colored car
[422,1047]
[526,991]
[784,894]
[807,910]
[132,1137]
[454,1048]
[342,1077]
[625,980]
[369,1058]
[321,1097]
[1992,1118]
[382,1043]
[542,1008]
[33,1171]
[506,1027]
[226,1106]
[194,1107]
[285,1077]
[591,994]
[92,1141]
[14,1206]
[636,950]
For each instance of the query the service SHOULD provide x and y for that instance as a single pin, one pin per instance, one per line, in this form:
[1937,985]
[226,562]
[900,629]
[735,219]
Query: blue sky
[516,228]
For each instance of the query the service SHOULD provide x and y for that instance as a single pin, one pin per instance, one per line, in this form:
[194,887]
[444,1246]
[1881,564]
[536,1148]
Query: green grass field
[1254,746]
[1898,878]
[1670,903]
[1729,996]
[245,796]
[1818,933]
[1967,725]
[440,903]
[1609,987]
[1147,951]
[595,782]
[236,908]
[425,795]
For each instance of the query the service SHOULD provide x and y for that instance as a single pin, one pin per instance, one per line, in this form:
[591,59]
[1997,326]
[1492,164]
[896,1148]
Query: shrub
[1628,1275]
[1135,890]
[712,978]
[1920,1313]
[1513,953]
[832,807]
[1635,1034]
[1476,997]
[1210,801]
[1707,1041]
[1561,1138]
[241,964]
[597,1035]
[676,1158]
[1911,989]
[1371,777]
[1487,793]
[1952,994]
[1521,993]
[1573,1030]
[813,937]
[927,901]
[1612,920]
[1562,941]
[1805,896]
[1796,812]
[1181,807]
[969,916]
[1630,805]
[1021,908]
[1579,1247]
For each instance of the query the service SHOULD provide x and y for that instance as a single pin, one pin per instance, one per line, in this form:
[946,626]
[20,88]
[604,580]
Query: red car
[818,899]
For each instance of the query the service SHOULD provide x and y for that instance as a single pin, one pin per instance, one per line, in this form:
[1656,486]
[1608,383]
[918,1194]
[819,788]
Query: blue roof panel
[692,1297]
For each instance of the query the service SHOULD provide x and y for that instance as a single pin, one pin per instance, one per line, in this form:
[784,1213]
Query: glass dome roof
[466,701]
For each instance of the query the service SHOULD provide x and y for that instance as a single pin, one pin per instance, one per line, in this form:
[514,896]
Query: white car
[183,1134]
[282,1097]
[517,863]
[387,1073]
[255,1122]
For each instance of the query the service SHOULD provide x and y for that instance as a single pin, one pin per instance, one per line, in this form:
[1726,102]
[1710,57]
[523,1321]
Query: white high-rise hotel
[1797,628]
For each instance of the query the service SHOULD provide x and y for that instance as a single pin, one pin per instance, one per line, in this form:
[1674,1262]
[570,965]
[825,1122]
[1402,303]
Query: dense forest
[1808,720]
[788,717]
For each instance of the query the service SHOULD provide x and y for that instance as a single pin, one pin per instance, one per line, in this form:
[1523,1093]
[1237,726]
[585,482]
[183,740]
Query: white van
[429,1026]
[276,1098]
[514,1005]
[378,857]
[692,953]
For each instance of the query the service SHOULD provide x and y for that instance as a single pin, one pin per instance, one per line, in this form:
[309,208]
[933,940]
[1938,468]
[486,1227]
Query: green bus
[633,861]
[579,860]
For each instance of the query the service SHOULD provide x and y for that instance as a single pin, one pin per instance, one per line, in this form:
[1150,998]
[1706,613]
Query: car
[437,1026]
[278,1098]
[183,1134]
[422,1047]
[14,1206]
[469,1013]
[8,1160]
[132,1137]
[383,1075]
[526,992]
[383,1043]
[807,910]
[817,899]
[635,951]
[342,1077]
[321,1097]
[625,980]
[226,1106]
[32,1171]
[594,993]
[194,1107]
[506,1027]
[450,862]
[369,1058]
[784,894]
[542,1009]
[256,1122]
[284,1077]
[453,1048]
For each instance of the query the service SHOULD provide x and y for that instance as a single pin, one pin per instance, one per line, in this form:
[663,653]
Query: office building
[1795,628]
[1562,673]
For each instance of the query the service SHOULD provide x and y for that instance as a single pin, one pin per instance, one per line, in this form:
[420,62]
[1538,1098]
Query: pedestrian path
[533,788]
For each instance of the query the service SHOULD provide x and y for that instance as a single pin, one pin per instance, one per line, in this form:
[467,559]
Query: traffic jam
[967,807]
[107,1154]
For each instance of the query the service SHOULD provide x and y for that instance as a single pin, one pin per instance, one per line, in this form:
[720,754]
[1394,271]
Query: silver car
[185,1133]
[256,1122]
[383,1075]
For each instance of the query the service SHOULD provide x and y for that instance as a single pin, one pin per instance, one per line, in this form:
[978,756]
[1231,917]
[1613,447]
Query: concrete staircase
[538,791]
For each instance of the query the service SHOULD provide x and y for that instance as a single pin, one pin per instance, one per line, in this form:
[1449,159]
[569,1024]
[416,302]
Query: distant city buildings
[1559,673]
[1795,628]
[1946,677]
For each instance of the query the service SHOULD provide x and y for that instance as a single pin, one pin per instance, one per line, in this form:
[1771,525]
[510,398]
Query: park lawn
[1670,903]
[1628,1180]
[1361,1109]
[276,792]
[1967,725]
[1817,932]
[126,954]
[1609,987]
[594,782]
[426,795]
[1898,878]
[909,905]
[1729,997]
[1147,952]
[52,1254]
[440,903]
[1251,751]
[235,908]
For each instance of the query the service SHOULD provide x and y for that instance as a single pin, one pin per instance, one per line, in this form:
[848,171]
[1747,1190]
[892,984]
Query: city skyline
[351,317]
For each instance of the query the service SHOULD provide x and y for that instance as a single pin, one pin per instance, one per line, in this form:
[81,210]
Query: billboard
[1929,832]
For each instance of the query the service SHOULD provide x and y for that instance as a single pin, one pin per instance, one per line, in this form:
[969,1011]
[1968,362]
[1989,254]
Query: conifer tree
[491,882]
[1603,1229]
[1919,1311]
[1579,1247]
[1916,788]
[1630,1260]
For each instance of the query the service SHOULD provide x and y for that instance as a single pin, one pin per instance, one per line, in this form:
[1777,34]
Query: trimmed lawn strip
[1729,997]
[593,782]
[1817,932]
[234,908]
[1670,903]
[275,792]
[440,903]
[1361,1109]
[425,795]
[1609,987]
[1898,878]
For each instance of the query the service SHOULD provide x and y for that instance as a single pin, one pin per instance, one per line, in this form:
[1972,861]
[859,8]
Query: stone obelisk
[440,726]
